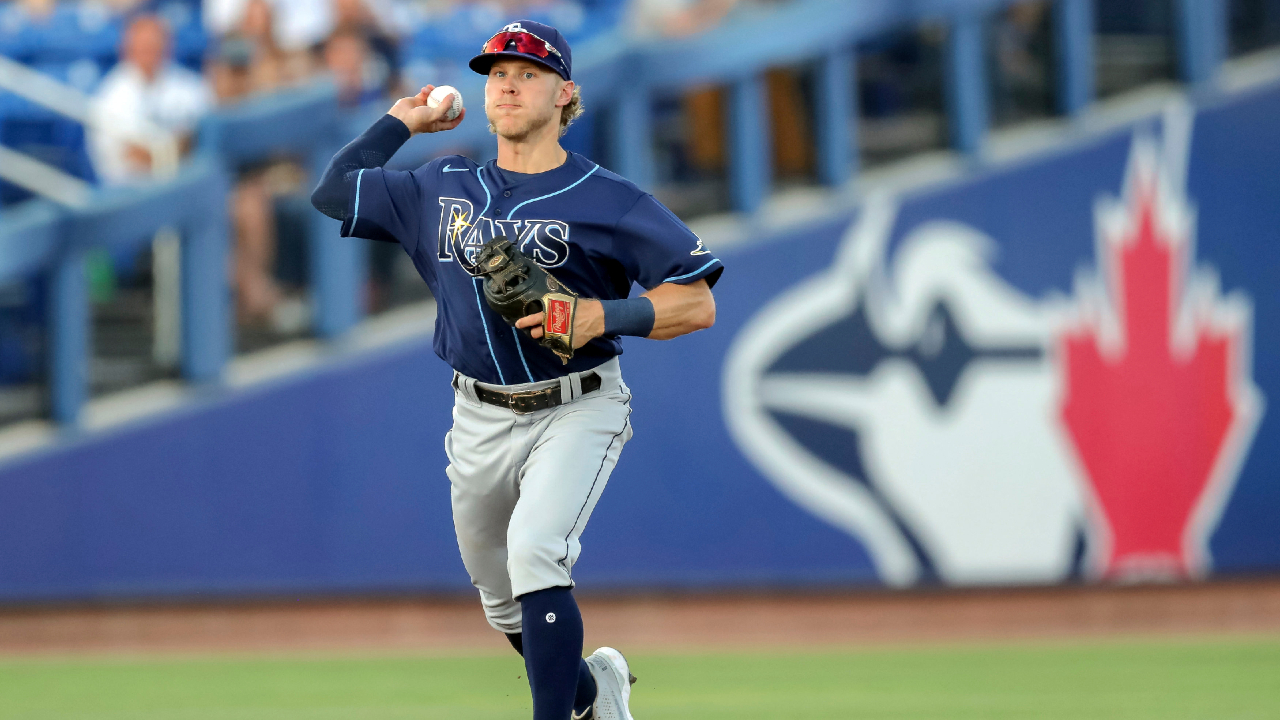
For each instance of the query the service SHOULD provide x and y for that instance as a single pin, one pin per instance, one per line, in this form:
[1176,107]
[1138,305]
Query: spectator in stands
[145,96]
[374,17]
[249,61]
[125,7]
[374,22]
[360,76]
[1022,44]
[236,69]
[35,9]
[285,33]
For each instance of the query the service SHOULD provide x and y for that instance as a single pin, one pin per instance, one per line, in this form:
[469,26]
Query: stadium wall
[1048,371]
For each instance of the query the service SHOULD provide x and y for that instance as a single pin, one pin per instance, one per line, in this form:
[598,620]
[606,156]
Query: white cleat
[613,685]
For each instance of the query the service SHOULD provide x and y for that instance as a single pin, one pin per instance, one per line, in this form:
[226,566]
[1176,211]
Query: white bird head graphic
[913,407]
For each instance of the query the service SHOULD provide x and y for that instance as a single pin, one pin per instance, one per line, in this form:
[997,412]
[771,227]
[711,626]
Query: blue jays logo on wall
[968,432]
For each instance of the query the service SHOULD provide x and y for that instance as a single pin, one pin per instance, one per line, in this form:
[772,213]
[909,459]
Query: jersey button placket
[506,194]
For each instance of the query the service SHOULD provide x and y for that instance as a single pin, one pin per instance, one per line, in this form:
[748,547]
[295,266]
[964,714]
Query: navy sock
[586,694]
[552,640]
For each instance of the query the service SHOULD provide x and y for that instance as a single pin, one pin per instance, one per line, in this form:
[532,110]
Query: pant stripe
[625,422]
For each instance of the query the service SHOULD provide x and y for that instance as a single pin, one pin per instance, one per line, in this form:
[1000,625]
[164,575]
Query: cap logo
[514,27]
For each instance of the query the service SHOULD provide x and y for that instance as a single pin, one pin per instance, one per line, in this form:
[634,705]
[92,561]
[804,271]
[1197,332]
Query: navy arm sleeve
[655,247]
[371,202]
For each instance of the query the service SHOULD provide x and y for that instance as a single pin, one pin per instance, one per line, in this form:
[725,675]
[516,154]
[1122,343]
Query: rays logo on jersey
[461,235]
[966,432]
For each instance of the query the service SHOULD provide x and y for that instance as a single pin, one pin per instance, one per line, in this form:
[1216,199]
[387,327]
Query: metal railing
[306,124]
[623,79]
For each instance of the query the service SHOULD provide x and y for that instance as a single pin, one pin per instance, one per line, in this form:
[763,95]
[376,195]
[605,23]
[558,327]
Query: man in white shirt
[145,96]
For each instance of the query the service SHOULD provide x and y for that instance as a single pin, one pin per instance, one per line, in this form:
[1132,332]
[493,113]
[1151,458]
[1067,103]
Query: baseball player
[532,327]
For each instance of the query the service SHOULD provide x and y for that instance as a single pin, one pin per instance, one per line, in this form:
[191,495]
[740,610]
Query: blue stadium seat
[459,35]
[189,38]
[83,74]
[14,42]
[73,32]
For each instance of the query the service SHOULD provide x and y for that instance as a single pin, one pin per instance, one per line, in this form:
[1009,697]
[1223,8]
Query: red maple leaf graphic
[1152,415]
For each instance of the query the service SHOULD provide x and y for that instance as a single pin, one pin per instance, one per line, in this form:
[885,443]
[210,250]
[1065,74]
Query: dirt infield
[686,622]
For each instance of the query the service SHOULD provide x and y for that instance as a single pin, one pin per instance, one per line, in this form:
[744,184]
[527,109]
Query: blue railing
[304,124]
[622,79]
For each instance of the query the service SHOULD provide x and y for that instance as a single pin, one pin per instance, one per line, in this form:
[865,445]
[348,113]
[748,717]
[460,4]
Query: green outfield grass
[1157,679]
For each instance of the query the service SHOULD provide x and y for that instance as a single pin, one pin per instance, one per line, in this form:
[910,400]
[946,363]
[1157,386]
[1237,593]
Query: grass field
[1133,680]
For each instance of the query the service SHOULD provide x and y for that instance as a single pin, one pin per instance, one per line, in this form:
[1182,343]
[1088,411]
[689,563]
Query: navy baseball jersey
[593,230]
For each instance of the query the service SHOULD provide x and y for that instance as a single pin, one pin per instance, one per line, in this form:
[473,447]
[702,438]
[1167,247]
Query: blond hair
[572,111]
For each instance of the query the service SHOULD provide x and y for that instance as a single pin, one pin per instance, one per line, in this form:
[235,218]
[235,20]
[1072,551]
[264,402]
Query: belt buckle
[515,401]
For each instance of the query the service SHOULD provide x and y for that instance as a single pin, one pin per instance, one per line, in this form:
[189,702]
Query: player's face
[521,98]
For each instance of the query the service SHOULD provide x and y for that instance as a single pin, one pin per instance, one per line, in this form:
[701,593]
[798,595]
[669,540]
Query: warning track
[656,623]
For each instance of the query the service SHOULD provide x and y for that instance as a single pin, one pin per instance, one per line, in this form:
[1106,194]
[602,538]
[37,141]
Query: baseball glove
[515,286]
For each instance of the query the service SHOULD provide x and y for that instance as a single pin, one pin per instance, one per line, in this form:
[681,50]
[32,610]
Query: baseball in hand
[437,96]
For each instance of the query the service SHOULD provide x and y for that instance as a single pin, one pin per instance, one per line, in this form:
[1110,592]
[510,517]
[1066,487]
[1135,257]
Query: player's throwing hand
[419,118]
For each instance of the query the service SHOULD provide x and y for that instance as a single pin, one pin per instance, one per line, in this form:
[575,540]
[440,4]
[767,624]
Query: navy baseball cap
[527,40]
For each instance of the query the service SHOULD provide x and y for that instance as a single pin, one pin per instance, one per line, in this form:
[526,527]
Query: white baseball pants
[523,486]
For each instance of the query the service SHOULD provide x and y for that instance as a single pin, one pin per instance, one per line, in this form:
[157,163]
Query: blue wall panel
[329,483]
[1232,176]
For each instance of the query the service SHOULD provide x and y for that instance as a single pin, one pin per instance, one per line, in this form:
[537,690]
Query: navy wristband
[631,316]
